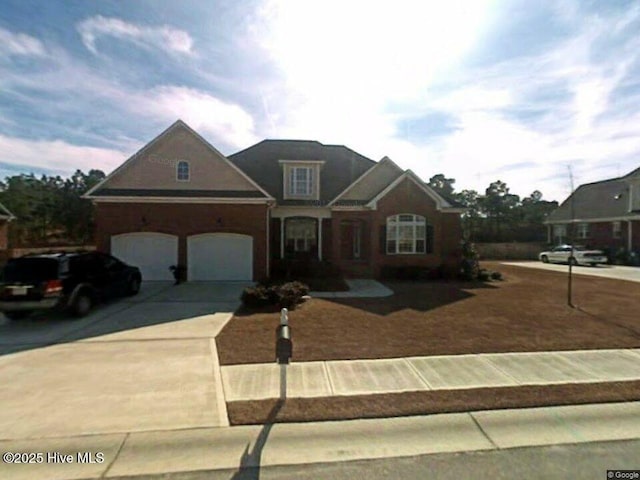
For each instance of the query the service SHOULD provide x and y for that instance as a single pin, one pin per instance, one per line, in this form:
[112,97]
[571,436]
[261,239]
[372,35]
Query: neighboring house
[605,214]
[5,217]
[180,201]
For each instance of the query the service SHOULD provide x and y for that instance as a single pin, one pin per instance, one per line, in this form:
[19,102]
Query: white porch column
[319,238]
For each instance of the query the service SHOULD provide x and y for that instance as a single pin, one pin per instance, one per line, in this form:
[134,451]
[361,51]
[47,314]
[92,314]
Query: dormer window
[182,171]
[301,181]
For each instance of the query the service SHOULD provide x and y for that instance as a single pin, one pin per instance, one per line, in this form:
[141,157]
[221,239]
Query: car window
[31,269]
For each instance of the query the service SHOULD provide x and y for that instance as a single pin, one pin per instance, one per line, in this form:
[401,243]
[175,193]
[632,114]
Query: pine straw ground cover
[527,311]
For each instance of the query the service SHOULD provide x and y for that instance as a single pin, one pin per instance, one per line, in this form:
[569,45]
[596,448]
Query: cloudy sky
[479,90]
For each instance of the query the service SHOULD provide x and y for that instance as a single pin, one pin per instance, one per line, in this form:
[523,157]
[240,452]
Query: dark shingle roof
[342,166]
[145,192]
[605,199]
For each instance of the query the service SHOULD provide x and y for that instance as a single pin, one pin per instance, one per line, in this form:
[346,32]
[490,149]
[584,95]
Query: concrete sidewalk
[209,449]
[615,272]
[358,377]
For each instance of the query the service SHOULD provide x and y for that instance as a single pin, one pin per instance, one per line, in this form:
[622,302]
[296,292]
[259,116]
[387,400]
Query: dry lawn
[422,403]
[526,312]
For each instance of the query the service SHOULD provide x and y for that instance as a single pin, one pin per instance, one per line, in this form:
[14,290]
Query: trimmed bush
[290,294]
[258,296]
[287,295]
[496,276]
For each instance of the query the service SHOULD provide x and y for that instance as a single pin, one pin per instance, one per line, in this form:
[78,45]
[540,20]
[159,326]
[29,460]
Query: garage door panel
[152,252]
[220,256]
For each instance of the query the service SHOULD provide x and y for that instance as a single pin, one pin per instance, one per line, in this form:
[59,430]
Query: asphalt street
[558,462]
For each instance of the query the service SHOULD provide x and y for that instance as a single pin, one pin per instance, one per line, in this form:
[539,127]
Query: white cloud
[57,156]
[19,44]
[160,37]
[353,77]
[226,122]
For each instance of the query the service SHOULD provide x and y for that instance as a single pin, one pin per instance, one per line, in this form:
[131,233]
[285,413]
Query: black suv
[68,281]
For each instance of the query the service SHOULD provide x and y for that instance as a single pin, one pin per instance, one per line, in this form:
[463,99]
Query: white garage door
[152,252]
[220,256]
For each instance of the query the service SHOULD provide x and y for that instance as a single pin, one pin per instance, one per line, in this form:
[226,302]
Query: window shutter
[429,239]
[383,239]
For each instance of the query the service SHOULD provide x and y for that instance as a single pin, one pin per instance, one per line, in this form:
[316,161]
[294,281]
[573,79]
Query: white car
[581,256]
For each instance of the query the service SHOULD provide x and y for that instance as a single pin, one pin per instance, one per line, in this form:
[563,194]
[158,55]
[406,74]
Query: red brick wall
[352,267]
[184,220]
[407,197]
[601,236]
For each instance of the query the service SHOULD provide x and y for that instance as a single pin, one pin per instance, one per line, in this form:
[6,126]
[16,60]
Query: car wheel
[82,305]
[544,259]
[573,261]
[17,315]
[133,287]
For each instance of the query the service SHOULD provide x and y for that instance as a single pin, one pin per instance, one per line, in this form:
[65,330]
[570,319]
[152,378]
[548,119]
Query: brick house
[180,201]
[604,215]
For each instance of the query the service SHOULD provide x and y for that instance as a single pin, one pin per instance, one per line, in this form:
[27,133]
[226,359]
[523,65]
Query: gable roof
[605,199]
[341,167]
[103,189]
[441,202]
[5,214]
[369,184]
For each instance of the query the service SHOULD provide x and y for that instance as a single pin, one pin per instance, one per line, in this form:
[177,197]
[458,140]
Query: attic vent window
[182,171]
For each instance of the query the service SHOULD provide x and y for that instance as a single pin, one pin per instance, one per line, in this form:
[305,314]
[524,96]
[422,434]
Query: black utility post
[571,239]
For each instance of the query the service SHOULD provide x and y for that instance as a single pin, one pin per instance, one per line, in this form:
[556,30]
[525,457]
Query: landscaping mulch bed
[526,312]
[429,402]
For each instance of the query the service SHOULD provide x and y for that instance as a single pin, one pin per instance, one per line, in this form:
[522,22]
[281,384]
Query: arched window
[182,171]
[408,233]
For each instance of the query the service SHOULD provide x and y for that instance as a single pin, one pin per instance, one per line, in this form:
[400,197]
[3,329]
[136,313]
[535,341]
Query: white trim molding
[252,201]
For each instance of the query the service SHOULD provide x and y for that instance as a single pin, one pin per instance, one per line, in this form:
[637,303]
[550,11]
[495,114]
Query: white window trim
[180,162]
[287,172]
[417,221]
[293,181]
[616,229]
[583,231]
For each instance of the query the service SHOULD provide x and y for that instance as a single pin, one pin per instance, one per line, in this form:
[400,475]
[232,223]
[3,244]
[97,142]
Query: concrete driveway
[616,272]
[147,362]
